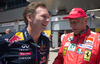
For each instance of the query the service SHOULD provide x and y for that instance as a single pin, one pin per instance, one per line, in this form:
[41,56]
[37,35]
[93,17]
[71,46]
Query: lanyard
[36,57]
[37,46]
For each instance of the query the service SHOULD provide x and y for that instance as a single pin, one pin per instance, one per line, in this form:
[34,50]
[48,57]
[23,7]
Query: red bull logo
[18,36]
[43,59]
[14,39]
[6,40]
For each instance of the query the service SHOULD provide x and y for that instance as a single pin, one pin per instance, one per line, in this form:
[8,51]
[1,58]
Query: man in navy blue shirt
[29,46]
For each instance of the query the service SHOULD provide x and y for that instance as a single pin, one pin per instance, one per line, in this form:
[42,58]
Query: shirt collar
[28,37]
[26,34]
[85,30]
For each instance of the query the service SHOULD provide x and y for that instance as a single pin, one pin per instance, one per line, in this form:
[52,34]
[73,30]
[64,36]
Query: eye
[44,16]
[73,22]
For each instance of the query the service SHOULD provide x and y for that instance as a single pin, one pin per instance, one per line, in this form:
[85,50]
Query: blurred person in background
[63,35]
[8,31]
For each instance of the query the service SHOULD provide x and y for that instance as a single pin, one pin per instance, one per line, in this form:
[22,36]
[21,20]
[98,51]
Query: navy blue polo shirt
[19,48]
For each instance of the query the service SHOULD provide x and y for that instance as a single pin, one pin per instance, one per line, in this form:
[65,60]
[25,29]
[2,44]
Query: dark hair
[31,9]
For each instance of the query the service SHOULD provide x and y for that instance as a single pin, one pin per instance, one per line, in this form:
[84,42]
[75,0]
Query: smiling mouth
[44,25]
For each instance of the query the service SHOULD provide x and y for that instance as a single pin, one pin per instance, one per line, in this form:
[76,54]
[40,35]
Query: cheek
[38,20]
[82,25]
[47,22]
[70,25]
[73,25]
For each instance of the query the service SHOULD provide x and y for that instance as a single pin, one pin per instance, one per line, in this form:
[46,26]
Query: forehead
[7,30]
[75,19]
[41,10]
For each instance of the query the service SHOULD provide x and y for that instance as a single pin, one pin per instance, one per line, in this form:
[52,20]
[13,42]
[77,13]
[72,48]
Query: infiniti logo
[25,46]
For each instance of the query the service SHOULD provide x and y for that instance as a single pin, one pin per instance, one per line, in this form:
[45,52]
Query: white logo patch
[85,46]
[72,47]
[25,46]
[89,40]
[70,38]
[67,44]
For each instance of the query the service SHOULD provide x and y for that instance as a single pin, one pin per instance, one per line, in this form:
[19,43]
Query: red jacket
[80,49]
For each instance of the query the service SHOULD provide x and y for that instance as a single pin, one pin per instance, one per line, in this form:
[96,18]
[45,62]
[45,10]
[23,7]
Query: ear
[28,16]
[86,20]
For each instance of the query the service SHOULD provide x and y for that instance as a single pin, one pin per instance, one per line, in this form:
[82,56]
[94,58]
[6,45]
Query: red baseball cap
[76,13]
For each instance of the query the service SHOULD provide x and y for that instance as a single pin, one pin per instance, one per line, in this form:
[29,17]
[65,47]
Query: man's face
[78,25]
[41,19]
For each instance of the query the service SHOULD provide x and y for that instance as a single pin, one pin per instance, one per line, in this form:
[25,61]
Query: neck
[85,30]
[35,34]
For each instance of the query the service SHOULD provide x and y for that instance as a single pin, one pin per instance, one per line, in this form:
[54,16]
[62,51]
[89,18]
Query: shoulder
[3,44]
[44,36]
[62,35]
[13,37]
[98,34]
[69,37]
[70,34]
[95,35]
[46,40]
[1,39]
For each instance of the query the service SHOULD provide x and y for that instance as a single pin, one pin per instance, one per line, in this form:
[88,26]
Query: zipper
[76,45]
[77,40]
[36,57]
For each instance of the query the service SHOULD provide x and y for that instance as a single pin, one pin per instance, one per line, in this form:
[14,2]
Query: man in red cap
[82,46]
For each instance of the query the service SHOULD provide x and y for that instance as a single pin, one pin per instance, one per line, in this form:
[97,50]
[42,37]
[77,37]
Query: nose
[47,19]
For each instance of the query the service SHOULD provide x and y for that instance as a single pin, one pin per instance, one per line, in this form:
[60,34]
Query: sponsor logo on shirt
[72,47]
[87,55]
[70,38]
[89,40]
[25,46]
[6,40]
[79,51]
[85,46]
[25,50]
[20,34]
[24,57]
[14,39]
[24,53]
[42,53]
[43,59]
[17,37]
[67,44]
[64,51]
